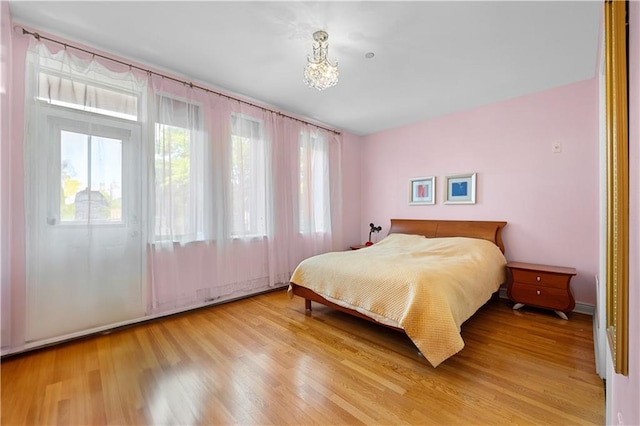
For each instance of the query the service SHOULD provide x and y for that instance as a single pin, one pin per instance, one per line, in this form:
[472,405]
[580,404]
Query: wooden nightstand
[542,286]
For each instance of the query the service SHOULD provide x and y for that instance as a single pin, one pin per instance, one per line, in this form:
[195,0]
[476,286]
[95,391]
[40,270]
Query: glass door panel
[90,178]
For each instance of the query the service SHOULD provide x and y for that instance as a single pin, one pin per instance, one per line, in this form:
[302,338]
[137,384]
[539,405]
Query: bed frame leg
[307,304]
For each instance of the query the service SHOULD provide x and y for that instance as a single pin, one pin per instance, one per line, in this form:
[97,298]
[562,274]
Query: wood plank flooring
[263,360]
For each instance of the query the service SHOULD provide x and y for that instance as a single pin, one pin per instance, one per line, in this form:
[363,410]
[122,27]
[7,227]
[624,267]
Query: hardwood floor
[263,360]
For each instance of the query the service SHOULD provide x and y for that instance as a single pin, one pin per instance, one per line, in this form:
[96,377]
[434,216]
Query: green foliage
[173,148]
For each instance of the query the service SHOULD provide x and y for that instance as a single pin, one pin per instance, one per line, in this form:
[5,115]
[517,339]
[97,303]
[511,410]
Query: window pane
[91,178]
[320,190]
[313,195]
[106,179]
[303,195]
[248,177]
[74,153]
[173,180]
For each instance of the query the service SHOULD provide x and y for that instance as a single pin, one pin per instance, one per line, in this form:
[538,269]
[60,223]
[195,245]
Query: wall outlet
[556,148]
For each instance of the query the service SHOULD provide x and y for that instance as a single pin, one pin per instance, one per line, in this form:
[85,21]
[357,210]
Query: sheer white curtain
[308,197]
[320,195]
[276,200]
[314,204]
[229,257]
[180,182]
[84,202]
[155,196]
[179,176]
[250,176]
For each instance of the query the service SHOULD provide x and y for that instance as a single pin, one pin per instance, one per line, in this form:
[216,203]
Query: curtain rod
[188,83]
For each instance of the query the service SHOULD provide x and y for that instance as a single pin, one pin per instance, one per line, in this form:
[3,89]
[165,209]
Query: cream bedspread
[427,286]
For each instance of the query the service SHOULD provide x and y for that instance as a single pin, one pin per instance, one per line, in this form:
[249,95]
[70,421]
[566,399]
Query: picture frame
[460,189]
[422,190]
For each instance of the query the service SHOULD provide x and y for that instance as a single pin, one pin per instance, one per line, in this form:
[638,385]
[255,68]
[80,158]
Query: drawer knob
[537,278]
[538,292]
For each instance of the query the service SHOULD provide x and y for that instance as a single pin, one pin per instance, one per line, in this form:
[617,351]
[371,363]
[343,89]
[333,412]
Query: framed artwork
[422,190]
[460,189]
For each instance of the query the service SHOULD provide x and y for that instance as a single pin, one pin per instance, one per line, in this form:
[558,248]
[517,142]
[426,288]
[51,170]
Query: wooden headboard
[491,231]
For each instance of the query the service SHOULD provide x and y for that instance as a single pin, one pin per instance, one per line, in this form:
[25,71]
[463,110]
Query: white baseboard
[585,308]
[107,329]
[581,308]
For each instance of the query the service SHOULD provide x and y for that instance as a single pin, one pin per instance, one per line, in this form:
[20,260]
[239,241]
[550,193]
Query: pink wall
[352,224]
[549,200]
[625,397]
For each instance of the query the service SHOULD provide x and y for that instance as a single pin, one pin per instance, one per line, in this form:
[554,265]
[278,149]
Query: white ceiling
[431,58]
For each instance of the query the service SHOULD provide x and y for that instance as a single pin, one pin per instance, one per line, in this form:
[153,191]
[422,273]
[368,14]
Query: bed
[424,287]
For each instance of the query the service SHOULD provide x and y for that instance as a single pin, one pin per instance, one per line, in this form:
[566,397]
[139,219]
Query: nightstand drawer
[544,279]
[542,297]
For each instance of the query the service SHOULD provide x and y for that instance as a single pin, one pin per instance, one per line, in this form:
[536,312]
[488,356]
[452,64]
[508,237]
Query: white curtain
[262,224]
[220,199]
[84,202]
[179,185]
[250,172]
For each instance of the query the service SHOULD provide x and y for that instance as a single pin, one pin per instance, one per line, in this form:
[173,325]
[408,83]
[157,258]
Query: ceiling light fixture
[319,72]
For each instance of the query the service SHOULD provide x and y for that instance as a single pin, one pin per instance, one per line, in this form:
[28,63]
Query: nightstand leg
[562,315]
[517,306]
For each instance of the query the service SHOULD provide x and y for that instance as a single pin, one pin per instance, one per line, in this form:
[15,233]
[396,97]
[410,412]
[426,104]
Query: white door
[87,265]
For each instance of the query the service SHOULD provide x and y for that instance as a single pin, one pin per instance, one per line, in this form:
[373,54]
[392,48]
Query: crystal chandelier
[319,72]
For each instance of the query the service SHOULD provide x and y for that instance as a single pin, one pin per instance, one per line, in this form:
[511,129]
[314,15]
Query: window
[90,178]
[313,195]
[86,165]
[248,177]
[91,147]
[179,171]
